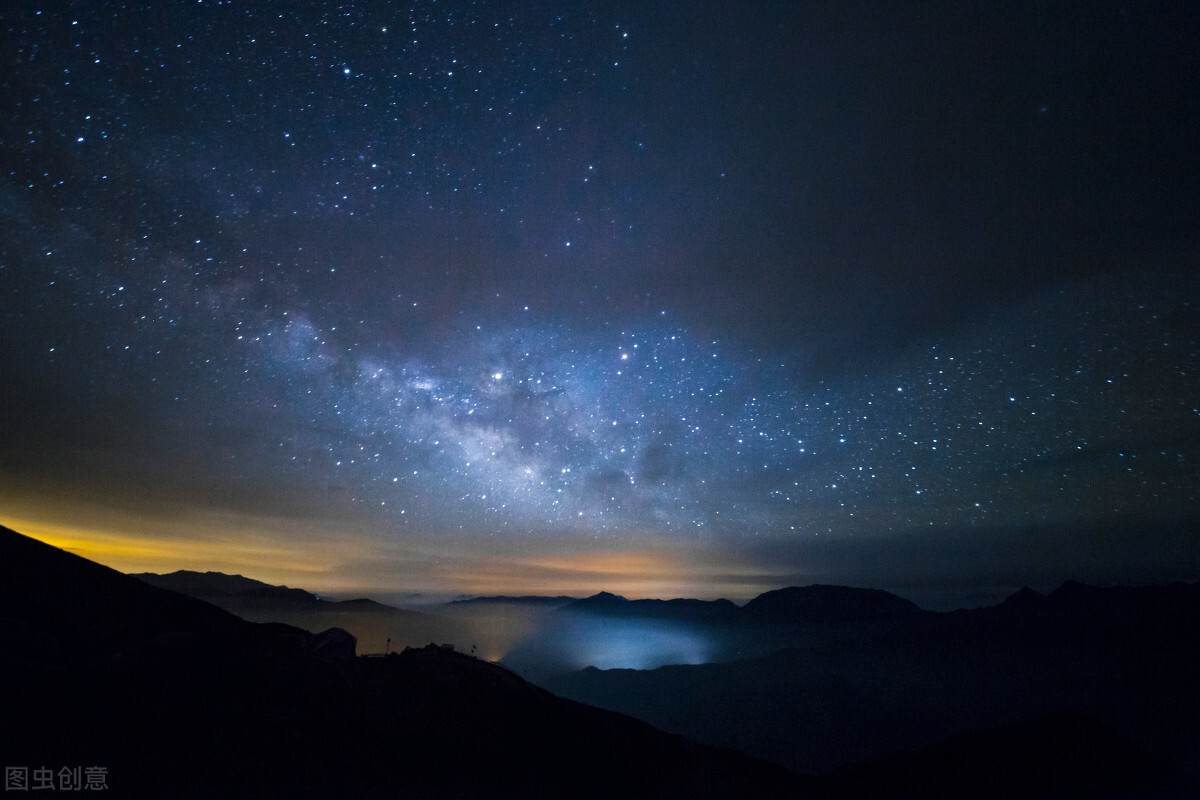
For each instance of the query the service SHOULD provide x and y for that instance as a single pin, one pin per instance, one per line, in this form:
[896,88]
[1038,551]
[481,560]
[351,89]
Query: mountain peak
[214,585]
[600,600]
[822,603]
[1023,597]
[606,597]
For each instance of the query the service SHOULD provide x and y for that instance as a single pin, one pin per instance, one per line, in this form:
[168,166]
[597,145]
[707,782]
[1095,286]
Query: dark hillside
[176,698]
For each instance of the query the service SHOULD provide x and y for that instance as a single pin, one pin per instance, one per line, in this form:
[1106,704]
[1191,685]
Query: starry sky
[671,299]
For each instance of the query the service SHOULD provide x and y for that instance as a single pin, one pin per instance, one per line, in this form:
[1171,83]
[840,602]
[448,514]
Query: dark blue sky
[662,298]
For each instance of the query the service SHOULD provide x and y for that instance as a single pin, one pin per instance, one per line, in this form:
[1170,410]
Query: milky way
[630,431]
[615,275]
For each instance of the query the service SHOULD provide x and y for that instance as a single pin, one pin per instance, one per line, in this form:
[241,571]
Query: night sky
[670,299]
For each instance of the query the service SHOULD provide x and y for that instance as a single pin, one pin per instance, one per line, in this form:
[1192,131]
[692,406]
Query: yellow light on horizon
[345,558]
[185,547]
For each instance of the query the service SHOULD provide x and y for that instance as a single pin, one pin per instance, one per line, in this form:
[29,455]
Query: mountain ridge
[173,696]
[101,668]
[1126,656]
[221,584]
[374,625]
[525,599]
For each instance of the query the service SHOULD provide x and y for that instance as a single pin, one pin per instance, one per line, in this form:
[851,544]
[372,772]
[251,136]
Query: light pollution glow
[297,553]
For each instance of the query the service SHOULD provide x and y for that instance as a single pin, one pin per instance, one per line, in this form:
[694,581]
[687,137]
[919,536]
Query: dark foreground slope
[176,698]
[1061,755]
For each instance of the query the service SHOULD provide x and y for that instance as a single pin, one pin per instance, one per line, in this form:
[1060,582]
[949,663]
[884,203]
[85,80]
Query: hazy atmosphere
[670,300]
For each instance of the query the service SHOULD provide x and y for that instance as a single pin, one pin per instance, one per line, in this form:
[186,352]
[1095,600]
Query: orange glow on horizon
[356,560]
[126,553]
[199,544]
[648,571]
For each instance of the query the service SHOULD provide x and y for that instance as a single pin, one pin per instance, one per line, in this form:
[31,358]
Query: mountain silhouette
[602,599]
[206,585]
[855,679]
[1082,692]
[610,604]
[374,625]
[855,675]
[822,605]
[71,609]
[535,600]
[174,697]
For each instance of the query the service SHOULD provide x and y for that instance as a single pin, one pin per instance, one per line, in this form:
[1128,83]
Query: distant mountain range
[486,625]
[171,696]
[657,633]
[374,625]
[796,604]
[832,675]
[541,601]
[691,610]
[822,605]
[218,584]
[880,672]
